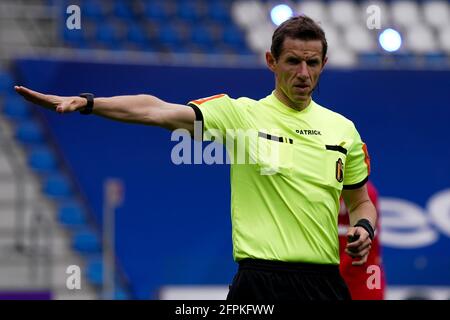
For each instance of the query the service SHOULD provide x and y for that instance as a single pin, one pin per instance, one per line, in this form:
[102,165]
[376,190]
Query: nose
[302,71]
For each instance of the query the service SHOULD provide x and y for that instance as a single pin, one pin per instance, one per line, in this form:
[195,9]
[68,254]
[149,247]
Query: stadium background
[173,228]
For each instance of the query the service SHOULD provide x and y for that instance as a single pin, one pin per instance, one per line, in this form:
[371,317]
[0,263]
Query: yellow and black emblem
[339,170]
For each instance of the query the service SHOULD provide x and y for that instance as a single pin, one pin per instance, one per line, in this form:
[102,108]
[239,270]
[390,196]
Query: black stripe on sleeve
[336,148]
[356,185]
[198,112]
[269,137]
[198,115]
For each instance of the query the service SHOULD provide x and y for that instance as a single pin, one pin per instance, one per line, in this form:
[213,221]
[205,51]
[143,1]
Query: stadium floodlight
[281,13]
[390,40]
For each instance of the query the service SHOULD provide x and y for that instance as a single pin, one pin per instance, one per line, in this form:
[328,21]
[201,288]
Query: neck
[299,106]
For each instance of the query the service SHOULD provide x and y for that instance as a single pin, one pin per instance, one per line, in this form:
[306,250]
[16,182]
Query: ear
[270,61]
[324,63]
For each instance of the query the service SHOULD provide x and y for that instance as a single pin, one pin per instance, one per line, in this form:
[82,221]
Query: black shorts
[277,281]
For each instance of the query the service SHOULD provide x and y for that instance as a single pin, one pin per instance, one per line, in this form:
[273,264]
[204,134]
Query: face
[297,71]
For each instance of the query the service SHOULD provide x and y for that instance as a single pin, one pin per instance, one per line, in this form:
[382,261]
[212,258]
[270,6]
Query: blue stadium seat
[136,34]
[142,46]
[93,9]
[75,37]
[189,10]
[94,274]
[234,37]
[169,35]
[42,160]
[56,186]
[86,242]
[210,49]
[123,10]
[175,48]
[156,11]
[94,271]
[71,215]
[244,50]
[218,10]
[29,132]
[226,49]
[106,34]
[15,108]
[201,35]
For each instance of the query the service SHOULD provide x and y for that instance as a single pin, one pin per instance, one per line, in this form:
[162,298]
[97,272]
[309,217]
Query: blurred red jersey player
[356,276]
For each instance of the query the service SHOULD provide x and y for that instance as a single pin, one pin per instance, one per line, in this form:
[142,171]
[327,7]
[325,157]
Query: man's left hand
[360,247]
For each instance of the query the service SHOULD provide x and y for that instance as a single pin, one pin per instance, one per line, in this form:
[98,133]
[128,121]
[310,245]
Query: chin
[301,99]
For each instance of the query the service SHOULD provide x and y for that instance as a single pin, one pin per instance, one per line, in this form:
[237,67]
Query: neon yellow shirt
[285,197]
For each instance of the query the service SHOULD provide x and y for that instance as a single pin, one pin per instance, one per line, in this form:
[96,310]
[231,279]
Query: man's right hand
[141,108]
[55,103]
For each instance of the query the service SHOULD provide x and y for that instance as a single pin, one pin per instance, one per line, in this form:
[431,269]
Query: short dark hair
[299,27]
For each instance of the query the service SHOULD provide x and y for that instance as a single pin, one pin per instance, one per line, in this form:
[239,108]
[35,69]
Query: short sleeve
[219,112]
[357,166]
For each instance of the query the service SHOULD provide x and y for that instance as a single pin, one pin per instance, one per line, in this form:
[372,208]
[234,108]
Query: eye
[292,60]
[313,63]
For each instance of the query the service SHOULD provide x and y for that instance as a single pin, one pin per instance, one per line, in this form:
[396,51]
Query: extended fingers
[23,92]
[57,103]
[28,93]
[38,98]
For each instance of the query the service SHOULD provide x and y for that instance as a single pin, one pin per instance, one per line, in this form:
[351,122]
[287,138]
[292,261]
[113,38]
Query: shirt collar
[273,98]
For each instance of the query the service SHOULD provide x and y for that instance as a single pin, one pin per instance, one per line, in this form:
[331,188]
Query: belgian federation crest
[339,170]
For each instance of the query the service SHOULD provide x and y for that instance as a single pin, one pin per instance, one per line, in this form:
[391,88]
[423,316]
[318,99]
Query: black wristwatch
[364,223]
[90,103]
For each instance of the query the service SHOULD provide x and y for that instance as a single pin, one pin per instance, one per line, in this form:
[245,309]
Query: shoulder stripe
[203,100]
[366,158]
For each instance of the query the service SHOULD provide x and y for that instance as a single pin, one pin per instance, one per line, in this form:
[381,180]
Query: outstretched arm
[141,109]
[359,207]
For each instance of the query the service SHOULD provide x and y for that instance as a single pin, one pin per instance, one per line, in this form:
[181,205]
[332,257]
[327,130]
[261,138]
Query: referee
[284,208]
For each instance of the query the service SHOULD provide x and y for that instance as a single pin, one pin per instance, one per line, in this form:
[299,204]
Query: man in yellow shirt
[284,207]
